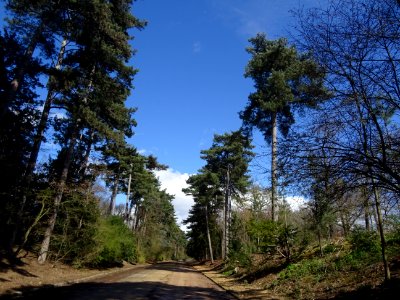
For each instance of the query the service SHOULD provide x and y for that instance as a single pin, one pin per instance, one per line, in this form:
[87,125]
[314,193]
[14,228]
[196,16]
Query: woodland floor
[364,284]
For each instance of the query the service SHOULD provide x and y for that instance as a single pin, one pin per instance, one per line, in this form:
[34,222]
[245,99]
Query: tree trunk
[227,207]
[320,240]
[223,241]
[370,174]
[127,196]
[381,233]
[36,145]
[135,217]
[366,214]
[44,118]
[274,153]
[42,125]
[344,224]
[57,199]
[63,179]
[111,208]
[208,236]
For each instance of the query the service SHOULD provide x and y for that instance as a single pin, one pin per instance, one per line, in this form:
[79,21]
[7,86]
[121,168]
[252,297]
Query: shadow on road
[120,290]
[173,266]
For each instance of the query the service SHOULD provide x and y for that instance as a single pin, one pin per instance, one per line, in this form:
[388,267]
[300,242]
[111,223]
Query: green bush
[393,227]
[239,258]
[364,241]
[263,233]
[305,268]
[330,248]
[115,243]
[74,233]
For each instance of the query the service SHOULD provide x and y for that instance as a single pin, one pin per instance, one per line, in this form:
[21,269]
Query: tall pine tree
[283,80]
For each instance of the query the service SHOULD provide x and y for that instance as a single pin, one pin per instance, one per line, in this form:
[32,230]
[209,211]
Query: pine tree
[204,187]
[283,80]
[228,157]
[100,84]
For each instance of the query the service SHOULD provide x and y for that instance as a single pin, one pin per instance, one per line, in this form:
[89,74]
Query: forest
[65,78]
[326,103]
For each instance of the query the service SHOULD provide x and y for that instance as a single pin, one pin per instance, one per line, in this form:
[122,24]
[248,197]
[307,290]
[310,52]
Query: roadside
[366,283]
[31,274]
[234,286]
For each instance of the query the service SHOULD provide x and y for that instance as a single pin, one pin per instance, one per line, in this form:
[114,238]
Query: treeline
[66,74]
[328,105]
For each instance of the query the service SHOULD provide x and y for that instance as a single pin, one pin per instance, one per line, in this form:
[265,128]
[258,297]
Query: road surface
[166,281]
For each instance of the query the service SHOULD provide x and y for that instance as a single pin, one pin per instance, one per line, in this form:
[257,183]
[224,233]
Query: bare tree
[356,41]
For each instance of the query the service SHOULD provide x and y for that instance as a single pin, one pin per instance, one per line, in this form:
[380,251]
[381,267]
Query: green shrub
[330,248]
[239,258]
[364,241]
[115,243]
[74,235]
[356,260]
[393,227]
[305,268]
[263,234]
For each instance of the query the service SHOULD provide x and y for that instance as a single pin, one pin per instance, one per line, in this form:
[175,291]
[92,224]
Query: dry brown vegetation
[266,279]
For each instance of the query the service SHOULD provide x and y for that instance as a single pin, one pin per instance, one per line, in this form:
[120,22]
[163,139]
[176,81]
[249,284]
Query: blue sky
[190,85]
[191,59]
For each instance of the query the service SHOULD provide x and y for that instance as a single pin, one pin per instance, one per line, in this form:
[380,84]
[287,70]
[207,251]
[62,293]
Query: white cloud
[174,181]
[249,24]
[248,18]
[196,47]
[295,202]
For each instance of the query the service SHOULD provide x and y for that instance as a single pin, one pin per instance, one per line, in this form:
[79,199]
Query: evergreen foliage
[224,173]
[76,54]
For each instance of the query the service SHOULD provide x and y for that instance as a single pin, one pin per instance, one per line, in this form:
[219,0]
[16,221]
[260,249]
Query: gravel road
[166,281]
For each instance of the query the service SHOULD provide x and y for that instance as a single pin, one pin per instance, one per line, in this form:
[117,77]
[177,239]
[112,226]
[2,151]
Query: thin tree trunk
[370,175]
[132,223]
[63,180]
[381,233]
[111,208]
[227,214]
[366,213]
[208,236]
[274,153]
[28,176]
[344,224]
[223,242]
[135,218]
[57,199]
[127,196]
[320,240]
[44,118]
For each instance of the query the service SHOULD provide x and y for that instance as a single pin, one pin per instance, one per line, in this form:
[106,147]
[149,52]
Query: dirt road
[167,281]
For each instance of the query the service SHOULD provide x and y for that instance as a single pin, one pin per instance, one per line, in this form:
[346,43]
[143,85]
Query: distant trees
[223,176]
